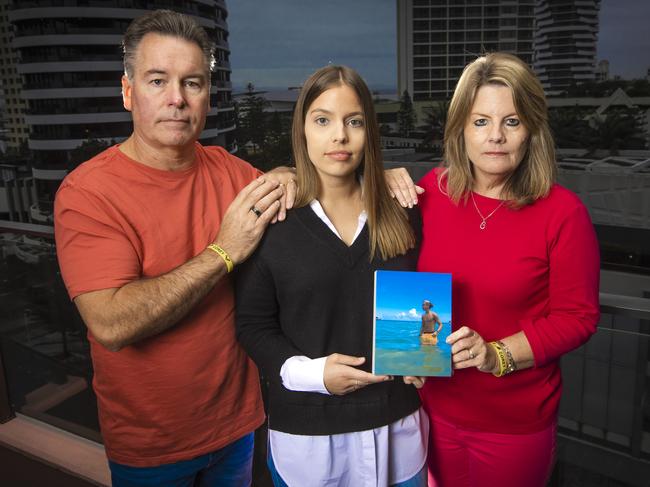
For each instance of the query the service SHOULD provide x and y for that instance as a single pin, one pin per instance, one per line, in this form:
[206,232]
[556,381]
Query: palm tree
[570,128]
[436,120]
[617,130]
[406,115]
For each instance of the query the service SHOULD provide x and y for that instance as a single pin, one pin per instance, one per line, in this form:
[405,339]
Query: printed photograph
[412,321]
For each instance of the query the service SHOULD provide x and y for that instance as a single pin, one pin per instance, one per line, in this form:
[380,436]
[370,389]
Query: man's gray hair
[166,23]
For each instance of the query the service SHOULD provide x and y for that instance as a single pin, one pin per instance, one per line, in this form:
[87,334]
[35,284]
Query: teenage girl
[304,304]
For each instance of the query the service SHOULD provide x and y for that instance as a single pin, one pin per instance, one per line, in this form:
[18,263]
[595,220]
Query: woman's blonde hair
[534,176]
[388,225]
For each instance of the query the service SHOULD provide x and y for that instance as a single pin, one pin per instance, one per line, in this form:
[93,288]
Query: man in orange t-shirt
[147,232]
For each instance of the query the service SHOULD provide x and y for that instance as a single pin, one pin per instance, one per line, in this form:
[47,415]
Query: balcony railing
[604,423]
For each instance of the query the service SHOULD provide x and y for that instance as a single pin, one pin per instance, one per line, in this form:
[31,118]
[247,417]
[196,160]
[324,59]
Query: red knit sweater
[534,269]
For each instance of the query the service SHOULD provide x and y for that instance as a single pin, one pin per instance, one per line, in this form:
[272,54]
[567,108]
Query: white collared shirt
[378,457]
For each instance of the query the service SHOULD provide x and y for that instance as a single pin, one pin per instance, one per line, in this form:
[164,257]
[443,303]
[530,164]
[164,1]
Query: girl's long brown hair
[388,225]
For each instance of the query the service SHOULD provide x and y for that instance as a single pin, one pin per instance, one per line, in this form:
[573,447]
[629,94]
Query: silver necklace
[484,218]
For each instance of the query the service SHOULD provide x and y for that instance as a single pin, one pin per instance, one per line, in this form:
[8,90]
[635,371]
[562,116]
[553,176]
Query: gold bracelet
[501,359]
[512,365]
[230,265]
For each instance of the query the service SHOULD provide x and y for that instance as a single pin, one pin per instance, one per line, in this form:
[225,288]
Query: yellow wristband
[501,358]
[511,364]
[230,265]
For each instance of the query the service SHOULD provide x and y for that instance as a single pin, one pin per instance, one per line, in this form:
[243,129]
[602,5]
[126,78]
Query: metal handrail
[631,306]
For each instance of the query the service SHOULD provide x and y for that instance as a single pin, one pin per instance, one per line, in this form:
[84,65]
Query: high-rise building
[70,60]
[565,42]
[437,38]
[15,131]
[602,72]
[3,132]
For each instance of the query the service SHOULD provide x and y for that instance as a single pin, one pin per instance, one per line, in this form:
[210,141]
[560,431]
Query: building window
[421,74]
[421,86]
[421,37]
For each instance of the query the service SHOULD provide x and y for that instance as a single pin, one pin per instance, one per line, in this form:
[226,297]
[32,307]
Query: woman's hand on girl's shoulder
[401,187]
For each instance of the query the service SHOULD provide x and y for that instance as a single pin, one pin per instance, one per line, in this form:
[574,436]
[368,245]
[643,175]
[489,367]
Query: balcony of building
[604,424]
[601,440]
[222,64]
[117,9]
[222,84]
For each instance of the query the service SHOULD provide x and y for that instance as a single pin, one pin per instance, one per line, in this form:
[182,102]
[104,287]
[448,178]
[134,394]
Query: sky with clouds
[276,44]
[399,295]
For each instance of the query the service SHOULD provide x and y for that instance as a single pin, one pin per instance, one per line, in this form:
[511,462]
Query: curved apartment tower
[15,130]
[71,64]
[566,32]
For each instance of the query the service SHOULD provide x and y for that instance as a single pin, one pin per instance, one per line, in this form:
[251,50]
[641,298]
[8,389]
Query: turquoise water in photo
[399,352]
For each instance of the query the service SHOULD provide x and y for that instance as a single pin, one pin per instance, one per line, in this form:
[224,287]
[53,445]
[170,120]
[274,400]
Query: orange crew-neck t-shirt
[191,389]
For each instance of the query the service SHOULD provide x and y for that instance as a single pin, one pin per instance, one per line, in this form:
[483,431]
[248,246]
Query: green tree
[570,128]
[406,115]
[252,126]
[618,130]
[279,140]
[436,120]
[277,149]
[88,149]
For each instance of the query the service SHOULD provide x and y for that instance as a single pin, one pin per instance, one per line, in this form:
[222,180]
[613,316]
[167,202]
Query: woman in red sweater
[525,265]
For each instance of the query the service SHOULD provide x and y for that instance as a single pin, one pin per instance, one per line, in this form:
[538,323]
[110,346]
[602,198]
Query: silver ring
[471,354]
[257,212]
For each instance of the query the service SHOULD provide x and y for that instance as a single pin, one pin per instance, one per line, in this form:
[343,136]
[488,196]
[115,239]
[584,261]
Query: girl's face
[335,132]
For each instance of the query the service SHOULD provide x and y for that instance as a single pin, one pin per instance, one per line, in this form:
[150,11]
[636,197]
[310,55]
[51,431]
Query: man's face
[169,93]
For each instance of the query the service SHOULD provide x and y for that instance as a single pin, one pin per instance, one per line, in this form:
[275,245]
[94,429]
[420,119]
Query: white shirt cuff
[300,373]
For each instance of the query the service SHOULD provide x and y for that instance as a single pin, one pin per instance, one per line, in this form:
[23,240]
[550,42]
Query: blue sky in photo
[280,43]
[400,295]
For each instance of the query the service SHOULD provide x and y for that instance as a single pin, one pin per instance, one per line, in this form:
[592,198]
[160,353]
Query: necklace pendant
[482,225]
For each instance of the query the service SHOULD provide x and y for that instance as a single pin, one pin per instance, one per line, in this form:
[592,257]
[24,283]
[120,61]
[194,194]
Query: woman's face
[495,138]
[335,132]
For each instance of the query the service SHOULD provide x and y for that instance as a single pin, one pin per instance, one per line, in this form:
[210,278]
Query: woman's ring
[256,211]
[471,354]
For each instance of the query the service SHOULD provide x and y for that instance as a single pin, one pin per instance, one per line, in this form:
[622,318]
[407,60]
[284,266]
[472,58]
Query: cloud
[407,315]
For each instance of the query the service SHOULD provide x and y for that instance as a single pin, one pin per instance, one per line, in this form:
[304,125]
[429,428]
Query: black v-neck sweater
[305,292]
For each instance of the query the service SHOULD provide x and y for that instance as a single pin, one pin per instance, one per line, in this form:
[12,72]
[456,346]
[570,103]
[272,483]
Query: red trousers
[467,458]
